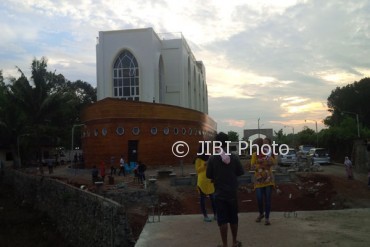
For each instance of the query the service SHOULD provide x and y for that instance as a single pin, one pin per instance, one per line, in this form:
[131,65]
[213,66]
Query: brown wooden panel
[152,149]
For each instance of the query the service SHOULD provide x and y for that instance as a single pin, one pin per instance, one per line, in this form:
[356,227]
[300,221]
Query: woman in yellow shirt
[205,186]
[262,162]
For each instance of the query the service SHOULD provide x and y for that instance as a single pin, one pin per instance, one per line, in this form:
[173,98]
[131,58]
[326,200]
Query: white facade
[138,64]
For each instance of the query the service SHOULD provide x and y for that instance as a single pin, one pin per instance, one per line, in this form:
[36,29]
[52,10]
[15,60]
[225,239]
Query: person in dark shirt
[223,170]
[94,174]
[141,172]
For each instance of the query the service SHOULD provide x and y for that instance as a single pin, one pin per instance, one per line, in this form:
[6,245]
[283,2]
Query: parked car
[303,150]
[289,158]
[319,155]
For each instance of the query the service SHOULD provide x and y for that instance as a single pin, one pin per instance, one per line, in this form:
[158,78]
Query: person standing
[113,170]
[349,167]
[262,164]
[122,166]
[50,166]
[223,170]
[94,174]
[205,186]
[102,170]
[141,172]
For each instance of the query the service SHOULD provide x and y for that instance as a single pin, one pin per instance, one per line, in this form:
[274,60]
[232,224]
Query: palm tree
[41,104]
[43,108]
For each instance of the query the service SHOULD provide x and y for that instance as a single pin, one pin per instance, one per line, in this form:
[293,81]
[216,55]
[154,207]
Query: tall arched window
[126,77]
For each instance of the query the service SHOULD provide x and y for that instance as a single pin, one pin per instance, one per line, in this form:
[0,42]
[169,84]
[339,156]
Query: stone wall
[84,218]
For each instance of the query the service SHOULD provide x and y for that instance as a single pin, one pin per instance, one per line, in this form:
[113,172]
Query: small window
[166,131]
[96,132]
[183,131]
[136,131]
[176,131]
[190,131]
[153,131]
[104,131]
[120,131]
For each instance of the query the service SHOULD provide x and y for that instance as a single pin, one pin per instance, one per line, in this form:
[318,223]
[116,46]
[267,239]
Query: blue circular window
[136,130]
[104,131]
[120,131]
[153,131]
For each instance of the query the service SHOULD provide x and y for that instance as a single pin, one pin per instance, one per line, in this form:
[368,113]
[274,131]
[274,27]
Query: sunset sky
[276,61]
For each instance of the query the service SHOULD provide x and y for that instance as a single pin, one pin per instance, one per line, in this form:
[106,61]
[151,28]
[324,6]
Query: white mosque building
[152,92]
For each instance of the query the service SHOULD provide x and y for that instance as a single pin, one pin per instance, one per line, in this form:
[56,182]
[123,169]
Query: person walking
[223,170]
[262,164]
[349,167]
[205,186]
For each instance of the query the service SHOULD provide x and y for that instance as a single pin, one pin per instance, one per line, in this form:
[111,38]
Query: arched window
[126,77]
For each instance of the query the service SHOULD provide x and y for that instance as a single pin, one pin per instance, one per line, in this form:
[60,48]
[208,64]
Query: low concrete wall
[84,218]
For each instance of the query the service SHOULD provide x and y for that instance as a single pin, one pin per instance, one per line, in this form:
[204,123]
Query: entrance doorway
[132,151]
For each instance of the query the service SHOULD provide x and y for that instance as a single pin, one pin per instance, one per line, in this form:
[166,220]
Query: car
[319,155]
[289,158]
[303,150]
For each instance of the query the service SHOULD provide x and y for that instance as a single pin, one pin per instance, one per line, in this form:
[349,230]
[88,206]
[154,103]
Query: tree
[44,107]
[345,104]
[306,136]
[233,136]
[354,98]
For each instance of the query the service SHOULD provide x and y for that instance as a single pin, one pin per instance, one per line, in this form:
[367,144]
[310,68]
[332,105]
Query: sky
[269,63]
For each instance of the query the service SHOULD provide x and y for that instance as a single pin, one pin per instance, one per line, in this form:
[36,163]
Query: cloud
[235,123]
[273,60]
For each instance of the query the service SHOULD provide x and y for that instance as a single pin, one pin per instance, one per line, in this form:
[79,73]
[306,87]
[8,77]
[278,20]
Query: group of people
[217,179]
[138,169]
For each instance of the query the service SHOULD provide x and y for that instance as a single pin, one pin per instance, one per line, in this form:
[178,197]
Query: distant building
[152,92]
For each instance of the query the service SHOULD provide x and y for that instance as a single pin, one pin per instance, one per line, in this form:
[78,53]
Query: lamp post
[358,122]
[317,134]
[258,127]
[19,156]
[293,132]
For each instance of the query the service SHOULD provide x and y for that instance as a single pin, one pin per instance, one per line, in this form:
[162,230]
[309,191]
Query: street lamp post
[358,122]
[293,132]
[317,134]
[258,127]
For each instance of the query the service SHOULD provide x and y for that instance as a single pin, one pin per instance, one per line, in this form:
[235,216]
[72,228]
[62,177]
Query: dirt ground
[326,190]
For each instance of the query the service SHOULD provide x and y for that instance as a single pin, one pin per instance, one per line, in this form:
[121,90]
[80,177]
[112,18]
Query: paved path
[315,228]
